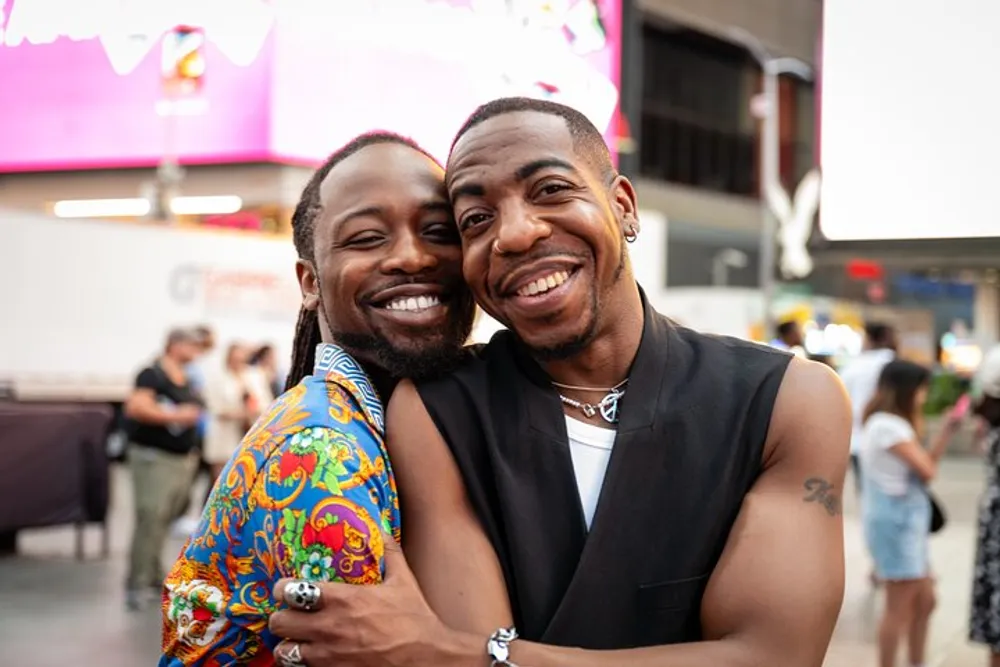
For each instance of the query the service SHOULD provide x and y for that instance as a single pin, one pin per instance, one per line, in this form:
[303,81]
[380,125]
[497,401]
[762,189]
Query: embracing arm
[774,596]
[444,544]
[317,508]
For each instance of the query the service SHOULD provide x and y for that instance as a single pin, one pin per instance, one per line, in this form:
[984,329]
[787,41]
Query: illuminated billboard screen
[910,120]
[285,80]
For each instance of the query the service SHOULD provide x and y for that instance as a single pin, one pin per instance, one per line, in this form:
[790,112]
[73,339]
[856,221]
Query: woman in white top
[895,505]
[235,398]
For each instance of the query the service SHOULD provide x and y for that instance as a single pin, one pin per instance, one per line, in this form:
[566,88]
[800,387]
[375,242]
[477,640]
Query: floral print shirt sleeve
[309,494]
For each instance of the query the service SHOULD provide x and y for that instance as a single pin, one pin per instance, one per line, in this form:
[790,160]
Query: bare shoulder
[418,450]
[406,413]
[811,423]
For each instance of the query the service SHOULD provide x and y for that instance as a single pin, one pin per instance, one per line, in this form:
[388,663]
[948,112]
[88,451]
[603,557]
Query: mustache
[509,266]
[451,284]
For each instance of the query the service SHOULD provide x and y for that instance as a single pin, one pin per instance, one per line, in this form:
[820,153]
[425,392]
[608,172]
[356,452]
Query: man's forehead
[382,171]
[520,136]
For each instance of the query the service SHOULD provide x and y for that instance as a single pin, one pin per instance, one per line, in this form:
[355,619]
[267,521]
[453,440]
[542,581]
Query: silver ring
[302,595]
[293,658]
[497,250]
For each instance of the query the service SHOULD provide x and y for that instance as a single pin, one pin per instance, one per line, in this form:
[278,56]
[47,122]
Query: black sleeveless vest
[688,448]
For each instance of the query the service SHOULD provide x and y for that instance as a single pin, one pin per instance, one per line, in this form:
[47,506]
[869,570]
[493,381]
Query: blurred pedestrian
[183,525]
[790,338]
[163,413]
[985,620]
[265,360]
[896,507]
[860,376]
[235,398]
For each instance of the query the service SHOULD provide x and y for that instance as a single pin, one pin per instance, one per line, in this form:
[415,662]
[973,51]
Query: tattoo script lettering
[820,491]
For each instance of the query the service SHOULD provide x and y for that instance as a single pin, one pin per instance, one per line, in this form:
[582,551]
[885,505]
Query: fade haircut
[588,142]
[307,211]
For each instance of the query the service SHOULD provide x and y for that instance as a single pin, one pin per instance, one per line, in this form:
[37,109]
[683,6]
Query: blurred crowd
[894,472]
[188,403]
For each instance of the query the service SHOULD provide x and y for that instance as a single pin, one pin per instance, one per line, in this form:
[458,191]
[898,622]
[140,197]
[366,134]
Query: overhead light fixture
[101,208]
[219,205]
[139,207]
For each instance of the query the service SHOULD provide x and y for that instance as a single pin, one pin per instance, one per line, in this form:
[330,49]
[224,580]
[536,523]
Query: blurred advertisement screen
[284,80]
[910,119]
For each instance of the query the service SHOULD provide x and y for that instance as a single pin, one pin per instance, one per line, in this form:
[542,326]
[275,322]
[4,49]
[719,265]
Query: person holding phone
[163,413]
[896,507]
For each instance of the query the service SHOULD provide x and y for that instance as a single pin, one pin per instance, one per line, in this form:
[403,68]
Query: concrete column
[986,314]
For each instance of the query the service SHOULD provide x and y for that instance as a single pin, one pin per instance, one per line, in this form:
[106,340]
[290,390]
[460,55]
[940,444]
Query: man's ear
[623,203]
[308,283]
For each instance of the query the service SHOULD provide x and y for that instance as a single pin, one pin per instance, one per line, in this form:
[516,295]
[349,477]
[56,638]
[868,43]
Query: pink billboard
[286,80]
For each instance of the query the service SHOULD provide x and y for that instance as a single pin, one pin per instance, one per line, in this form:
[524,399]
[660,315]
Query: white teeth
[544,284]
[413,303]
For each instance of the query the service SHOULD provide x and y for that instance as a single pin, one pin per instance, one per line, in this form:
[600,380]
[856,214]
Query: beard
[571,347]
[424,355]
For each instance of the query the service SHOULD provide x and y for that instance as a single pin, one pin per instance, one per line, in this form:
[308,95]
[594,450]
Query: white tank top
[590,446]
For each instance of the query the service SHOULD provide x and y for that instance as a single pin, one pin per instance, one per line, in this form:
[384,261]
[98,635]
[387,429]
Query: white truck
[86,303]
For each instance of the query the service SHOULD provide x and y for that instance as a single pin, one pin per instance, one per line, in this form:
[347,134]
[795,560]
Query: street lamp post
[767,109]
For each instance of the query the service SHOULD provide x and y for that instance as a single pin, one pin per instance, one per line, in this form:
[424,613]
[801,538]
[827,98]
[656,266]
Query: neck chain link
[607,407]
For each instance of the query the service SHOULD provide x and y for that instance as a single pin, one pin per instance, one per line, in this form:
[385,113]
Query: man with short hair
[310,493]
[163,411]
[790,338]
[609,488]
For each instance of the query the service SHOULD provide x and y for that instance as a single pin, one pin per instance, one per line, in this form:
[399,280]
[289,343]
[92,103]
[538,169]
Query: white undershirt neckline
[590,449]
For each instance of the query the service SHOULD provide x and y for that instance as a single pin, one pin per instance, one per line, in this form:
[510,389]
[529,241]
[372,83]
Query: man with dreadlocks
[310,492]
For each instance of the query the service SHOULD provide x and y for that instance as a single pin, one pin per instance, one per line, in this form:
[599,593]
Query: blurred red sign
[862,269]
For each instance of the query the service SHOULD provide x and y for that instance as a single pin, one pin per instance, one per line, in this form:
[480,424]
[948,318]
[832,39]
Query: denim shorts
[897,530]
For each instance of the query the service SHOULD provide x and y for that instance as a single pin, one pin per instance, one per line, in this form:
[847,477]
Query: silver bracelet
[498,647]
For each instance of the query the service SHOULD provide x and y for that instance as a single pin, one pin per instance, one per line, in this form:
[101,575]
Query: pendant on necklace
[609,406]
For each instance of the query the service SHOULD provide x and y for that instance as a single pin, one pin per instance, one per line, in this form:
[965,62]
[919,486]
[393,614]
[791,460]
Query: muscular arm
[775,595]
[447,550]
[315,509]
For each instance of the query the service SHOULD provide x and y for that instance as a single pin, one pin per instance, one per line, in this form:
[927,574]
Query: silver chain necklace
[607,407]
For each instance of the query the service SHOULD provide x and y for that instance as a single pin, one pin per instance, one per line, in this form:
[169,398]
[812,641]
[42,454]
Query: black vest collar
[646,375]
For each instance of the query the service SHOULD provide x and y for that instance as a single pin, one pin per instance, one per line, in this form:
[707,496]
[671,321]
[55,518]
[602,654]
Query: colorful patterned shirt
[308,494]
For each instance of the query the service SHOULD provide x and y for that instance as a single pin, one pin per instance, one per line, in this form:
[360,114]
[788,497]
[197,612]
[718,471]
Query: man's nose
[520,229]
[409,254]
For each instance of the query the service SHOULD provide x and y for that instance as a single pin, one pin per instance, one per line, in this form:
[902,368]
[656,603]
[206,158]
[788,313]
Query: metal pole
[719,272]
[770,152]
[769,175]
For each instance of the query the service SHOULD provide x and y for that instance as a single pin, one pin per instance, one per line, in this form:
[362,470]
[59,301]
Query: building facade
[688,85]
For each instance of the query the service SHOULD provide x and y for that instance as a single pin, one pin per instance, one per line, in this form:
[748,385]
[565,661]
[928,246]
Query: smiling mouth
[412,304]
[544,284]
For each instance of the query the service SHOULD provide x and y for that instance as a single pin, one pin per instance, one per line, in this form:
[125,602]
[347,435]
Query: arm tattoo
[818,490]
